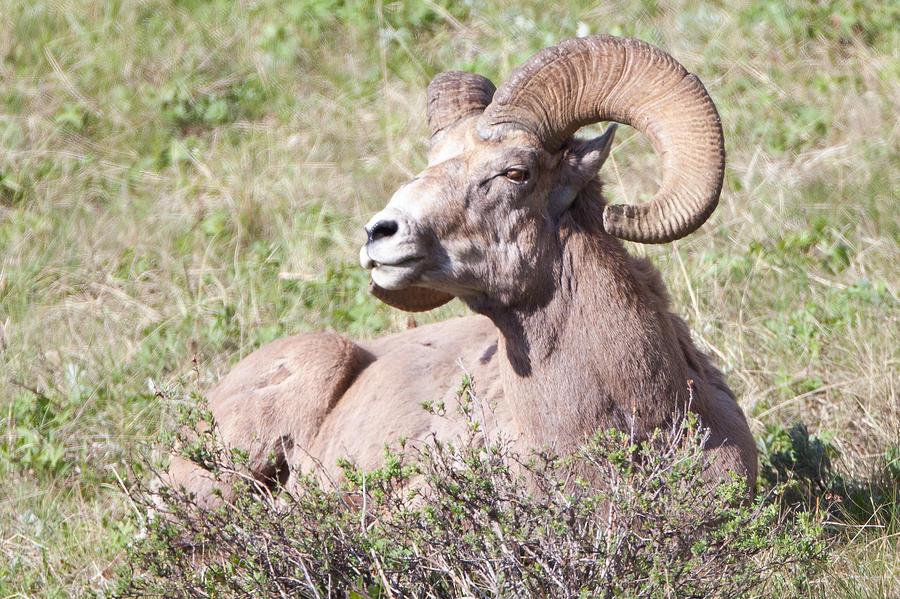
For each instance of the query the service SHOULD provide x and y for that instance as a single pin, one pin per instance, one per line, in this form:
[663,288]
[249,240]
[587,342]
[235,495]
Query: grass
[184,180]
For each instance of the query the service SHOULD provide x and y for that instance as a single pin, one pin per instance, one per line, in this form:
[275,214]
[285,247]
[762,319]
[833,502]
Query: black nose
[383,228]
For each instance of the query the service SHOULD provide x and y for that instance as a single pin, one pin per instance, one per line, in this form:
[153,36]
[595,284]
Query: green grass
[184,180]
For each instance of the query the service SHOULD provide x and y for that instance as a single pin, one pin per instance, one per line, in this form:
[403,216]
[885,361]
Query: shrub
[800,464]
[617,519]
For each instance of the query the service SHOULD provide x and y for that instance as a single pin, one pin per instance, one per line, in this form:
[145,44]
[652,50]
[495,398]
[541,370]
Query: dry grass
[163,162]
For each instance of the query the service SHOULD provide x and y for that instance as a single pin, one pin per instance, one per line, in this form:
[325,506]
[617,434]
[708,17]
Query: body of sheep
[574,334]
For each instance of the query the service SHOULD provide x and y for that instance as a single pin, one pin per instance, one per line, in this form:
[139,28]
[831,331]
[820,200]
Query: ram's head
[483,218]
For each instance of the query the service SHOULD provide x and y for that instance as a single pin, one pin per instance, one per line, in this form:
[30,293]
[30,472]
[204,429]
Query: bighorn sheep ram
[573,333]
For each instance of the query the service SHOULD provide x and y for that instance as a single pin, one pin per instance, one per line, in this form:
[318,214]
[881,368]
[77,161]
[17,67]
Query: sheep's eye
[516,175]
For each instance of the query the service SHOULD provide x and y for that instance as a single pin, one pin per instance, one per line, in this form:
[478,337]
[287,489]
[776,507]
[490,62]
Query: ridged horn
[604,78]
[453,96]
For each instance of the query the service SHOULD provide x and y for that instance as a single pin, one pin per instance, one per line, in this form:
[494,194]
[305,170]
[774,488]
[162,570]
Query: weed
[803,465]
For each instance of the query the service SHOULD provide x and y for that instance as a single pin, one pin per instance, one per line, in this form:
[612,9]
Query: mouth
[391,272]
[396,276]
[405,263]
[368,262]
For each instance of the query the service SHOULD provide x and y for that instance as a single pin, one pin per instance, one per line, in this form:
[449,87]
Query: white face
[479,221]
[398,248]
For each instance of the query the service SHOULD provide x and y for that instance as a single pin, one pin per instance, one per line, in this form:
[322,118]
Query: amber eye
[516,175]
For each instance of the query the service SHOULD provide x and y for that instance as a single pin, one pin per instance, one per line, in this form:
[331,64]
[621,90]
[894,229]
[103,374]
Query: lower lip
[401,264]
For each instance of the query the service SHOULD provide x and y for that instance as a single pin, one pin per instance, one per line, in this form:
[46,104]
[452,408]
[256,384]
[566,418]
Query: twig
[30,389]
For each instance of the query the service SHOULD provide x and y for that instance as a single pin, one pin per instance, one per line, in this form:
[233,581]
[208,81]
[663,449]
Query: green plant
[190,107]
[476,518]
[32,445]
[801,464]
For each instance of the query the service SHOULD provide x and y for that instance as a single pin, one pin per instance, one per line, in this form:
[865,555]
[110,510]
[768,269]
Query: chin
[393,278]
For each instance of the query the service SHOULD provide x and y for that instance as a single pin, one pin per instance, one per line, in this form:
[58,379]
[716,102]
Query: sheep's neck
[594,354]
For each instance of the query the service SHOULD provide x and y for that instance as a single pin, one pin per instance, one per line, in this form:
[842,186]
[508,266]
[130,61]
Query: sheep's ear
[411,299]
[584,159]
[587,157]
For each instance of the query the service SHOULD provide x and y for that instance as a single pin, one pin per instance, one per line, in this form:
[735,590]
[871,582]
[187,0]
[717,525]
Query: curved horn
[454,95]
[411,299]
[604,78]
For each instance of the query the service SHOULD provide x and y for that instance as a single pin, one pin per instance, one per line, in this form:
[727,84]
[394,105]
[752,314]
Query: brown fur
[575,334]
[308,400]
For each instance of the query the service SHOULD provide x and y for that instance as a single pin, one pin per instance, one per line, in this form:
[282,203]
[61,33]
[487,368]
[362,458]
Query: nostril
[383,228]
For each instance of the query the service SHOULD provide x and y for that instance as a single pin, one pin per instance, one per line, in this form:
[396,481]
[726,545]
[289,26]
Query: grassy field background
[184,180]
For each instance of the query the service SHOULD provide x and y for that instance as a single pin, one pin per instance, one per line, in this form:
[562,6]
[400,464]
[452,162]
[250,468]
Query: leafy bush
[801,464]
[215,104]
[31,444]
[477,519]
